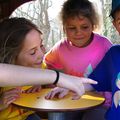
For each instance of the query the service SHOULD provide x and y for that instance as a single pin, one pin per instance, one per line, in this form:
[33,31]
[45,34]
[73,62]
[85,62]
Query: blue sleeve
[103,73]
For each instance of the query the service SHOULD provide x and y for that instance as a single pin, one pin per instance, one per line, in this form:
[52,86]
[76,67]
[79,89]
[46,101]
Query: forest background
[45,14]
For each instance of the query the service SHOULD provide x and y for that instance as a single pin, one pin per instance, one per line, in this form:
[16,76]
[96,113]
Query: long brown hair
[12,34]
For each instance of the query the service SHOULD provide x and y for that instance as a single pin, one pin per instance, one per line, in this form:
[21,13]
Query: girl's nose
[78,31]
[40,54]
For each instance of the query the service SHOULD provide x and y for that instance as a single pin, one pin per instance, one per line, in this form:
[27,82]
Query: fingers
[6,98]
[75,97]
[48,96]
[62,94]
[89,81]
[51,94]
[80,90]
[74,83]
[30,90]
[10,96]
[57,92]
[12,91]
[33,89]
[9,100]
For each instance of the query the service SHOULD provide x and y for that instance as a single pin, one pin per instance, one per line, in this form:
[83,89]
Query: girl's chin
[37,66]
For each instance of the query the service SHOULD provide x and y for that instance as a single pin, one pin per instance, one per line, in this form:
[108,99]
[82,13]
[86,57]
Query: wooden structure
[8,6]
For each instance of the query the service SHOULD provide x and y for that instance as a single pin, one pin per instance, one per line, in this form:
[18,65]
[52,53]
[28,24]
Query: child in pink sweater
[82,49]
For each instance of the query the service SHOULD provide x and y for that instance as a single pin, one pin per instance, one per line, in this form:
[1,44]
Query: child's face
[116,21]
[32,51]
[78,30]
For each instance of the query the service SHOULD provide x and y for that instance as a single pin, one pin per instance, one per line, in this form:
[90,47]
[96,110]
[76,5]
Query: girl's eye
[84,27]
[42,48]
[32,52]
[71,28]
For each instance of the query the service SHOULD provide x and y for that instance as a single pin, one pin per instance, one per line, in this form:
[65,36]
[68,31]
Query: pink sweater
[77,61]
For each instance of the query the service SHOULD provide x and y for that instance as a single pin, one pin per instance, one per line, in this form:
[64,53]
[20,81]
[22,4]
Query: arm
[53,57]
[12,75]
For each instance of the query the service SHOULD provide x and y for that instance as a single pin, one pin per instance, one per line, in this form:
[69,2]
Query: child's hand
[8,97]
[76,84]
[108,98]
[57,92]
[33,89]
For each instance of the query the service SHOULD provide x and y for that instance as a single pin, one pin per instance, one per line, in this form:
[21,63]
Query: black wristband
[57,77]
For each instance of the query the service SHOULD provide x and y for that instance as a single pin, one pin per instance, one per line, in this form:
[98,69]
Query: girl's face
[78,30]
[32,51]
[116,21]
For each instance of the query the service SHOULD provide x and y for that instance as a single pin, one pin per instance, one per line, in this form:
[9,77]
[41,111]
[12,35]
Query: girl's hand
[8,97]
[57,92]
[76,84]
[33,89]
[108,98]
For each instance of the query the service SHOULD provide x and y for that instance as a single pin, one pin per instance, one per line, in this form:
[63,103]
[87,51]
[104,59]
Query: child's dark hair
[113,13]
[73,8]
[12,34]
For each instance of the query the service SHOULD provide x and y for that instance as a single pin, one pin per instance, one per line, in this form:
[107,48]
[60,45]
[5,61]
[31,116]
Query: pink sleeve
[107,44]
[108,98]
[52,59]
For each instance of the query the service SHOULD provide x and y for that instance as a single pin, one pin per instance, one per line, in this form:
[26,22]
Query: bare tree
[37,12]
[108,28]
